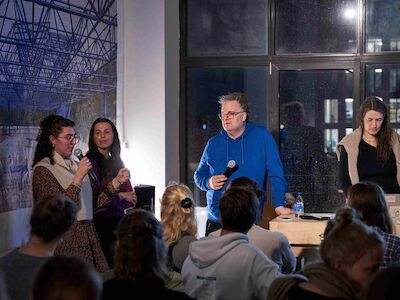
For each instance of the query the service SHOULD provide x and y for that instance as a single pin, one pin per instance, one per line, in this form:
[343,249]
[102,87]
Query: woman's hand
[83,168]
[128,196]
[122,177]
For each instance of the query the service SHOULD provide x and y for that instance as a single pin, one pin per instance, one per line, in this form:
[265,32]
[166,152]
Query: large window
[383,30]
[312,113]
[306,65]
[227,27]
[315,26]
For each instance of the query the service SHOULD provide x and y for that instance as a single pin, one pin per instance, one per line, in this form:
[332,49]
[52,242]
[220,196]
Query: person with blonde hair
[179,223]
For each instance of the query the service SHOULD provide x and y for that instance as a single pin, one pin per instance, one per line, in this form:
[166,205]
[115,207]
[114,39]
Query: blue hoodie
[257,156]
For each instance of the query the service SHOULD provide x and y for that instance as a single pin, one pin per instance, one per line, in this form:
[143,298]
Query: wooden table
[300,233]
[305,233]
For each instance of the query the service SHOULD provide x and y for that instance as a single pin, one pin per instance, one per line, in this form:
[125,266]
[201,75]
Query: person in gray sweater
[274,244]
[229,267]
[51,218]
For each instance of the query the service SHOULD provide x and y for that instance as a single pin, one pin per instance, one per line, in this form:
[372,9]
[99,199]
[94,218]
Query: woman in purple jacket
[104,154]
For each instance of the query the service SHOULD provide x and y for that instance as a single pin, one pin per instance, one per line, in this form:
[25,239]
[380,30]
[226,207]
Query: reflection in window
[374,45]
[315,109]
[315,26]
[383,80]
[204,86]
[382,25]
[394,44]
[229,27]
[331,110]
[394,108]
[331,140]
[394,80]
[349,130]
[349,109]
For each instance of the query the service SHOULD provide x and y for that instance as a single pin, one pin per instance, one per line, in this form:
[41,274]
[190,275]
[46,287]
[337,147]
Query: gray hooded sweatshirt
[227,267]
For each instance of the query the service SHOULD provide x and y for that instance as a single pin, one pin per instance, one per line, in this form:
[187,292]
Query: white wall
[142,117]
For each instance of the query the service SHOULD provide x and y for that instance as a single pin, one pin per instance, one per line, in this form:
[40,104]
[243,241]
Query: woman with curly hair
[179,223]
[54,172]
[372,151]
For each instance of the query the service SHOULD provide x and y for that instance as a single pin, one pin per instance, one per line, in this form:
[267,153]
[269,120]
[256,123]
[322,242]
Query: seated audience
[369,199]
[383,285]
[140,263]
[229,267]
[274,244]
[67,278]
[179,223]
[351,253]
[51,218]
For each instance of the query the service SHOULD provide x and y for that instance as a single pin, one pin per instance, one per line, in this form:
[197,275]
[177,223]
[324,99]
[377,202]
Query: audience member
[369,199]
[54,172]
[179,223]
[140,263]
[351,253]
[67,278]
[51,218]
[383,285]
[274,244]
[228,267]
[104,154]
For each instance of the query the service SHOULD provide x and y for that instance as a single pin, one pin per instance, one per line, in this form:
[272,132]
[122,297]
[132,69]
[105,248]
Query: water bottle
[298,205]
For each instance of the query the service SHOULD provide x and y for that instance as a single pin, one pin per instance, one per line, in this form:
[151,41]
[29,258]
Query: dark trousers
[212,226]
[106,230]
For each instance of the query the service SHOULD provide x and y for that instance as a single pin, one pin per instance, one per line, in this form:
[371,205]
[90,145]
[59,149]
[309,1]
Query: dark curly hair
[108,167]
[50,125]
[52,216]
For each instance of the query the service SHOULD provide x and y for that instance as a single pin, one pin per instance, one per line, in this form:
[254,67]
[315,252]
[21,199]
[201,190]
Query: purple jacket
[116,207]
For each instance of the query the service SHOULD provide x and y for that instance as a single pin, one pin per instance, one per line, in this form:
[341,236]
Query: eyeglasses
[229,114]
[70,138]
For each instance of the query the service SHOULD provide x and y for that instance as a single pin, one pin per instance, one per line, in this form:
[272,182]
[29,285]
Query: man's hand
[217,182]
[281,210]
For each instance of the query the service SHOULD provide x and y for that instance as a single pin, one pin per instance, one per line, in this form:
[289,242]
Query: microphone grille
[78,152]
[231,164]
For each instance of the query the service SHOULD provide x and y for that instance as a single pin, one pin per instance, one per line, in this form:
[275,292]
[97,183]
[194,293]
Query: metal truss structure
[56,52]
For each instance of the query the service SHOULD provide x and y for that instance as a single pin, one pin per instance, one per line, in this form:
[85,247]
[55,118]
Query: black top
[298,293]
[141,289]
[369,168]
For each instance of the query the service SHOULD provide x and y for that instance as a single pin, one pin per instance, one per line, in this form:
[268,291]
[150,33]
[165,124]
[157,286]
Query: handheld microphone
[230,168]
[78,153]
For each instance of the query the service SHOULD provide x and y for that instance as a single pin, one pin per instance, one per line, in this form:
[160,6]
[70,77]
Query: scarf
[330,281]
[64,171]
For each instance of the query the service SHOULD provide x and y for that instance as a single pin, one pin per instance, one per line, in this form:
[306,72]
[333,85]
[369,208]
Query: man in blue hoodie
[253,149]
